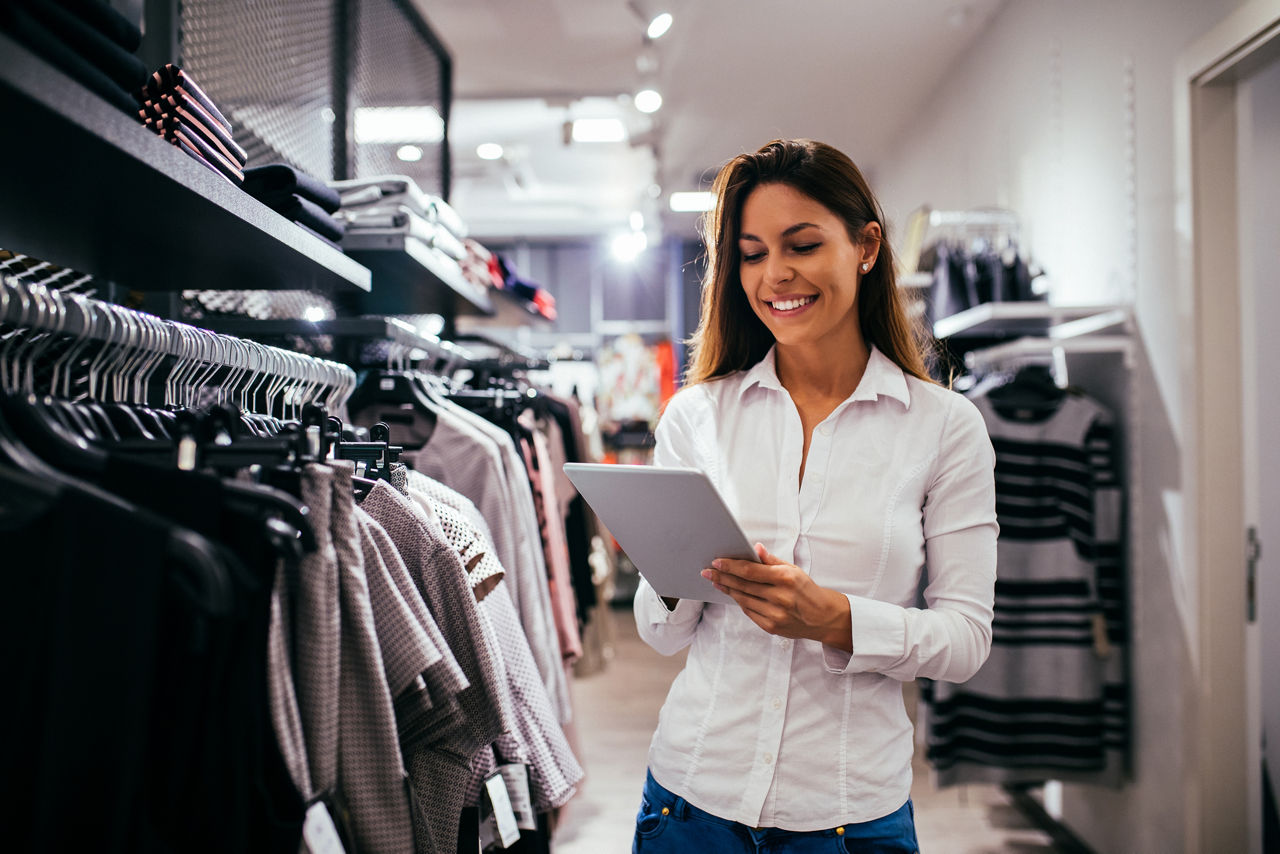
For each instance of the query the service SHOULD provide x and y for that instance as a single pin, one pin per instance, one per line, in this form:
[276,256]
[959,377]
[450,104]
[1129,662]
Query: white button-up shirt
[771,732]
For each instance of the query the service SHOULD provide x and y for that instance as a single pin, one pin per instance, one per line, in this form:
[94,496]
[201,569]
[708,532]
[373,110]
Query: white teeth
[792,304]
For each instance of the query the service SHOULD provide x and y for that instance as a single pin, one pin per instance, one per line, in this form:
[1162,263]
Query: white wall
[1064,113]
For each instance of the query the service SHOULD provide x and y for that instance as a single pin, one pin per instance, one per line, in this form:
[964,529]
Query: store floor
[617,709]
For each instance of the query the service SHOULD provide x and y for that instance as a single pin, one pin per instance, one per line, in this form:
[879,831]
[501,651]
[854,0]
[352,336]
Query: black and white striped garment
[1051,702]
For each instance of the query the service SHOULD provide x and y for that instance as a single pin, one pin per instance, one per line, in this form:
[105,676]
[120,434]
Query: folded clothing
[179,103]
[172,129]
[166,123]
[195,155]
[25,29]
[402,218]
[171,78]
[120,65]
[274,183]
[311,215]
[383,190]
[107,21]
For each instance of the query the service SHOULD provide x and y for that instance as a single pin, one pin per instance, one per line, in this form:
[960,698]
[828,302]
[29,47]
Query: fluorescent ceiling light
[648,101]
[398,124]
[637,221]
[598,130]
[313,313]
[489,151]
[409,153]
[695,202]
[659,25]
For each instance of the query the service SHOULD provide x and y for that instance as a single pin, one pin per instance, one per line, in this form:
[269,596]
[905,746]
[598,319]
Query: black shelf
[411,277]
[86,186]
[509,311]
[361,329]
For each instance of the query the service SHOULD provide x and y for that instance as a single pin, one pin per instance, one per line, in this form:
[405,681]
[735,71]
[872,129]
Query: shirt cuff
[657,613]
[879,638]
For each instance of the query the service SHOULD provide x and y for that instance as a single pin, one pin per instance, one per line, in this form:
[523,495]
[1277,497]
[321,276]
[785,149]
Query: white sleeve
[669,631]
[950,638]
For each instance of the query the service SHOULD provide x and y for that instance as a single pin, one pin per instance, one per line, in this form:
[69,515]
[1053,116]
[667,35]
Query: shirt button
[768,759]
[785,643]
[777,702]
[825,429]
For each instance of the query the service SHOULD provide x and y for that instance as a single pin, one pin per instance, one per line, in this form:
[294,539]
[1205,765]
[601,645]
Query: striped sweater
[1051,703]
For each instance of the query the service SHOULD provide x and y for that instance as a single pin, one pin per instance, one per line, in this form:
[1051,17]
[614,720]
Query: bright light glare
[313,313]
[626,247]
[489,151]
[637,221]
[694,202]
[648,101]
[409,153]
[659,25]
[598,130]
[398,124]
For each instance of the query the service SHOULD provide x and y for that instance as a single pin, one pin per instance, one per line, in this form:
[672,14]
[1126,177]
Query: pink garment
[564,606]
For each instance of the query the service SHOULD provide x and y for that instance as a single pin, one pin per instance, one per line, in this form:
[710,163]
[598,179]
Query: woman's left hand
[782,599]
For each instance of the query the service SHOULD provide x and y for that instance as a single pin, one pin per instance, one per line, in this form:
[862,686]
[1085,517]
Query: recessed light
[659,25]
[489,151]
[398,124]
[648,100]
[598,130]
[692,201]
[409,153]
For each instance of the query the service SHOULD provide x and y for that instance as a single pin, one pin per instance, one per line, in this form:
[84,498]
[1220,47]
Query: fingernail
[706,573]
[716,563]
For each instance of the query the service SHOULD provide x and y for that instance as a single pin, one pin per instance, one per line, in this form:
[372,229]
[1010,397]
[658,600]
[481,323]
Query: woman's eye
[751,257]
[806,247]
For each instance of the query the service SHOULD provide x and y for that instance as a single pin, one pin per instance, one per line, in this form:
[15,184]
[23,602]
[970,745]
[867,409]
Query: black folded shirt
[171,78]
[124,69]
[309,214]
[172,129]
[274,183]
[25,29]
[107,21]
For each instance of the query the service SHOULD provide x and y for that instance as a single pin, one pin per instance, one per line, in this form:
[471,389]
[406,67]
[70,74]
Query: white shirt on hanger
[771,732]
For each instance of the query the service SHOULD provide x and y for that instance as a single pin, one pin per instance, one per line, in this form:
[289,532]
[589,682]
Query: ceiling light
[409,153]
[648,100]
[313,313]
[398,124]
[628,246]
[694,201]
[637,221]
[659,25]
[598,130]
[489,151]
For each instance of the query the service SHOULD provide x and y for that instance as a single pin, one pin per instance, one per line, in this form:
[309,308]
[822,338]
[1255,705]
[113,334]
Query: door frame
[1221,794]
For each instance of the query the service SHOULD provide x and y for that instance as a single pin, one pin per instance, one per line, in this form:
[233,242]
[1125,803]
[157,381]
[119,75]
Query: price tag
[503,817]
[517,779]
[319,834]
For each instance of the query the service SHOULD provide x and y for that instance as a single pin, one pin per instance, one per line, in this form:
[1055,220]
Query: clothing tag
[1101,643]
[517,778]
[503,817]
[319,835]
[387,384]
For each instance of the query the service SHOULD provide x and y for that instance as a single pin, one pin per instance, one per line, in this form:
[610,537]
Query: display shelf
[88,187]
[411,277]
[389,329]
[1022,348]
[509,311]
[1014,318]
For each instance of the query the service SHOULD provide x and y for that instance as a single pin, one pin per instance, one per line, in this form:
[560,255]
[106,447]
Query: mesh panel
[268,66]
[394,65]
[24,268]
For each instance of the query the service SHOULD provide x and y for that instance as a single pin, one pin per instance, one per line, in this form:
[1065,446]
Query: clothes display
[176,108]
[300,637]
[1051,703]
[971,274]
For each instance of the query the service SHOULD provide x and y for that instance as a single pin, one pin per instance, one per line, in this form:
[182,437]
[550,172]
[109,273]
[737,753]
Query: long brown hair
[730,337]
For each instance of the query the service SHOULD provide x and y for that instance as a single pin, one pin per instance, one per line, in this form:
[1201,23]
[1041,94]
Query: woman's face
[800,270]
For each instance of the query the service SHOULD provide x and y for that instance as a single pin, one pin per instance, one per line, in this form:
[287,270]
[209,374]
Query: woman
[808,405]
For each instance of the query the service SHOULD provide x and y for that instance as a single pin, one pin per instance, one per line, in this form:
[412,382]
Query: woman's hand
[783,600]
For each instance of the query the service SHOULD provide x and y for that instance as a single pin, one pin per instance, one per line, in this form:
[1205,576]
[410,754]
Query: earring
[866,267]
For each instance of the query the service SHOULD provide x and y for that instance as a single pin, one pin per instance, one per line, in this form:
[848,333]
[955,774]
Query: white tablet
[671,522]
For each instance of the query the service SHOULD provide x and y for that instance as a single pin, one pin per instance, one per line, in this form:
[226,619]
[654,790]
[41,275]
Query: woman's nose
[777,269]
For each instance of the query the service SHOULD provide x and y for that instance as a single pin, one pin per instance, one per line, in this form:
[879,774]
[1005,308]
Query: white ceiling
[733,74]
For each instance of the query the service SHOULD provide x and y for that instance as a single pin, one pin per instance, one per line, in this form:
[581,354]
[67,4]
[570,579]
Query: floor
[616,709]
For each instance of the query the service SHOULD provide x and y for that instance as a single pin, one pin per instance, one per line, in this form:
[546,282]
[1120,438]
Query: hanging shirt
[772,732]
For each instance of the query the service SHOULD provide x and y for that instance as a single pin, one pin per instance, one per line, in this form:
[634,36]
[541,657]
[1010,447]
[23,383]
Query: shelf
[411,277]
[88,187]
[363,328]
[1022,348]
[509,311]
[1015,318]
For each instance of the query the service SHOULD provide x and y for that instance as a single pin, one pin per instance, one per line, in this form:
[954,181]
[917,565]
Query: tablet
[671,522]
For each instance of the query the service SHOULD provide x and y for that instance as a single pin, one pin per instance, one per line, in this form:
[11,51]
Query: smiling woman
[809,408]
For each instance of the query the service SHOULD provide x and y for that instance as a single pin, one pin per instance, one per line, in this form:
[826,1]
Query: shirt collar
[881,378]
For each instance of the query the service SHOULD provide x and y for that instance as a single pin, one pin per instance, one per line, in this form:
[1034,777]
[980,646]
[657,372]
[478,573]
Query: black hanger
[1032,388]
[396,397]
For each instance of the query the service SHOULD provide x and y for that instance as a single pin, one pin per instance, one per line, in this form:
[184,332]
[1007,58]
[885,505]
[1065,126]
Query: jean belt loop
[680,809]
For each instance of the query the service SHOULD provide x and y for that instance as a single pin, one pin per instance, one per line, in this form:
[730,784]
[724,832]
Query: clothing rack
[134,345]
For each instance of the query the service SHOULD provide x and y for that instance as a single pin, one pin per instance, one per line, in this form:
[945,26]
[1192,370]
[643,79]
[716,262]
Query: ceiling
[733,74]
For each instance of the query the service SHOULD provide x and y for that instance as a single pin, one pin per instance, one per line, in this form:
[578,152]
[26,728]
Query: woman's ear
[869,244]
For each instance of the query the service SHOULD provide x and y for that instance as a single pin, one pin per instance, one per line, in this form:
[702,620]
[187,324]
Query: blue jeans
[669,823]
